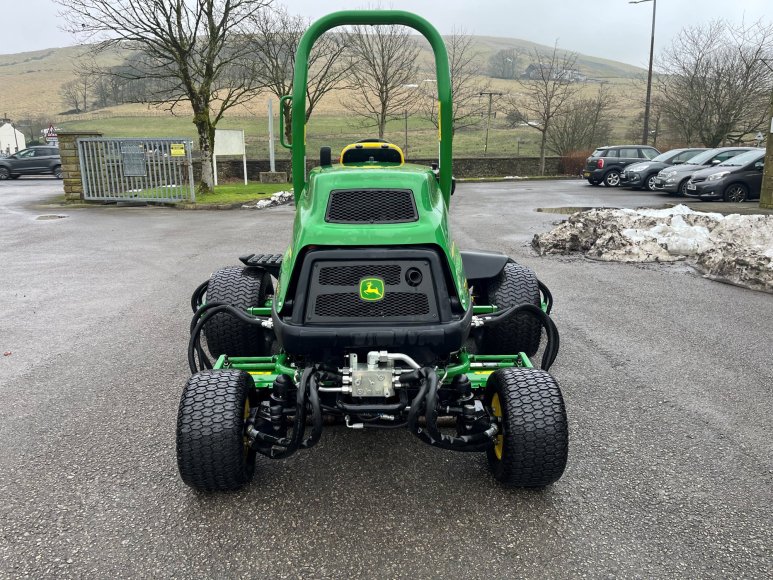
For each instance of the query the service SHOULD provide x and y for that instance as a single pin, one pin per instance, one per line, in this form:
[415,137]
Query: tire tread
[536,439]
[210,423]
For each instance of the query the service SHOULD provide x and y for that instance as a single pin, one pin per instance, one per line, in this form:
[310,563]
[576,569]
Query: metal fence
[136,169]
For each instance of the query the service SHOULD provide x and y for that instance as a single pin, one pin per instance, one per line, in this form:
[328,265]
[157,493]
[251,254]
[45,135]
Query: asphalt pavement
[667,378]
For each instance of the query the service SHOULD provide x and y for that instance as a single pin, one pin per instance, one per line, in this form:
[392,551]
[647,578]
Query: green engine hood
[311,229]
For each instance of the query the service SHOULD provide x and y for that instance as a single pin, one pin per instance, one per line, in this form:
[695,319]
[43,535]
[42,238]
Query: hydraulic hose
[548,296]
[316,413]
[197,324]
[413,413]
[473,442]
[197,295]
[551,348]
[299,422]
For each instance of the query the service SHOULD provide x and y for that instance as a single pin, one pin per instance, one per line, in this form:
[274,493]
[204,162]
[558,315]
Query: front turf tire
[242,288]
[212,454]
[533,444]
[514,285]
[4,174]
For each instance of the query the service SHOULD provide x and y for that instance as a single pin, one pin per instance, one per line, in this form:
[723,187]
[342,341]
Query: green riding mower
[372,318]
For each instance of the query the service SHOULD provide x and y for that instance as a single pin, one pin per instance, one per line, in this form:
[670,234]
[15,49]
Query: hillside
[30,82]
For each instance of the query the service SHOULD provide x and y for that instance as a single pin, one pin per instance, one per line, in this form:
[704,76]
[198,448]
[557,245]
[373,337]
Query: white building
[11,140]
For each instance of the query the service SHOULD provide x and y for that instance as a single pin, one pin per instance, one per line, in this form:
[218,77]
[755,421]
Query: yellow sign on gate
[177,149]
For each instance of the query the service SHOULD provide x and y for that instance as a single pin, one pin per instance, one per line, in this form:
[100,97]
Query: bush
[573,162]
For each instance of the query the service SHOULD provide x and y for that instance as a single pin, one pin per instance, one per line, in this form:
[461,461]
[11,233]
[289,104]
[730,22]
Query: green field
[336,132]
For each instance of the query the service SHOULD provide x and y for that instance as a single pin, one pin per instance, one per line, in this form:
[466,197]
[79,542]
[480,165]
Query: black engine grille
[333,292]
[351,275]
[371,206]
[394,304]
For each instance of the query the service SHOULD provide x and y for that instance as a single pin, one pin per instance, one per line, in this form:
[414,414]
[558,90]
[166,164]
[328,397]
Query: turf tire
[4,173]
[242,288]
[514,285]
[211,452]
[534,429]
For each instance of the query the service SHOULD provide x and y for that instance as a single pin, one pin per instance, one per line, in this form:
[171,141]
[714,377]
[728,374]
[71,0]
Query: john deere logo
[371,289]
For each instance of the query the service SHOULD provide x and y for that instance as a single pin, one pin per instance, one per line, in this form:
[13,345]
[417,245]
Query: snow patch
[278,198]
[736,248]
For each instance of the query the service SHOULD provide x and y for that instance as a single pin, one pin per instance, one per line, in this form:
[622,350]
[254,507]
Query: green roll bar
[371,17]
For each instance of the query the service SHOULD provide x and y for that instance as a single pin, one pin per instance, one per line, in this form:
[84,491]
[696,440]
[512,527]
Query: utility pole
[647,103]
[488,118]
[405,150]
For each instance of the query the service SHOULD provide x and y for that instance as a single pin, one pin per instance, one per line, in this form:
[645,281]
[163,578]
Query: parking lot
[667,379]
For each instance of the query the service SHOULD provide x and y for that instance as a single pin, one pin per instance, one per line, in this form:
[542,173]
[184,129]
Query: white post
[271,135]
[214,167]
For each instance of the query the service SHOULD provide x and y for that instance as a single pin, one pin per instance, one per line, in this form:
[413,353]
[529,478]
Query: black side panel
[415,311]
[482,264]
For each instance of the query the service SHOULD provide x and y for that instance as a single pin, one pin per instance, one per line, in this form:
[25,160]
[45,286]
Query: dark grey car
[40,160]
[674,179]
[642,175]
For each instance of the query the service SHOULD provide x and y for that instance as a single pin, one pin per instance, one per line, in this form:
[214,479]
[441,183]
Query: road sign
[51,132]
[177,149]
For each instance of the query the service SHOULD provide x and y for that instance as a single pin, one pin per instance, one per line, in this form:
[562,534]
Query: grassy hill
[30,86]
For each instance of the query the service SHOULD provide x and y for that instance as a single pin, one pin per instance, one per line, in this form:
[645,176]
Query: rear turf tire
[242,288]
[533,444]
[212,454]
[57,172]
[514,285]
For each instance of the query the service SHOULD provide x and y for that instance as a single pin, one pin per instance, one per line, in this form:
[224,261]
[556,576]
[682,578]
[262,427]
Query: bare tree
[584,124]
[274,38]
[193,50]
[464,65]
[72,95]
[715,87]
[382,70]
[546,94]
[504,64]
[657,128]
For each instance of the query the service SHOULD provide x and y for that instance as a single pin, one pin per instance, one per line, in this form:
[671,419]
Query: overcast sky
[607,28]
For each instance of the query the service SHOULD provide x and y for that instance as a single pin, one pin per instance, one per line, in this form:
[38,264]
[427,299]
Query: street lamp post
[646,131]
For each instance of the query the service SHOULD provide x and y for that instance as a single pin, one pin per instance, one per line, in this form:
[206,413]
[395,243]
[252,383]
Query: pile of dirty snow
[278,198]
[736,248]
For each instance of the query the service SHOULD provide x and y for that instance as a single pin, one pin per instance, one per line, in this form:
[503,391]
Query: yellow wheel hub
[496,408]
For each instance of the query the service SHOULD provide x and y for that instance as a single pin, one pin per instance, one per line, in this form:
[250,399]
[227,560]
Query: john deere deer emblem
[371,289]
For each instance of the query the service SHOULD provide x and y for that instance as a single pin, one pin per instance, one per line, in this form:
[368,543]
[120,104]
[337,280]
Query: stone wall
[68,149]
[232,169]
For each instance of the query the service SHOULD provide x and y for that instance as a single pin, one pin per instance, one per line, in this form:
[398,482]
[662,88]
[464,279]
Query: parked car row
[39,160]
[729,173]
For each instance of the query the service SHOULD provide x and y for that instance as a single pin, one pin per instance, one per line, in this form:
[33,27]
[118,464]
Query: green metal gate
[159,170]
